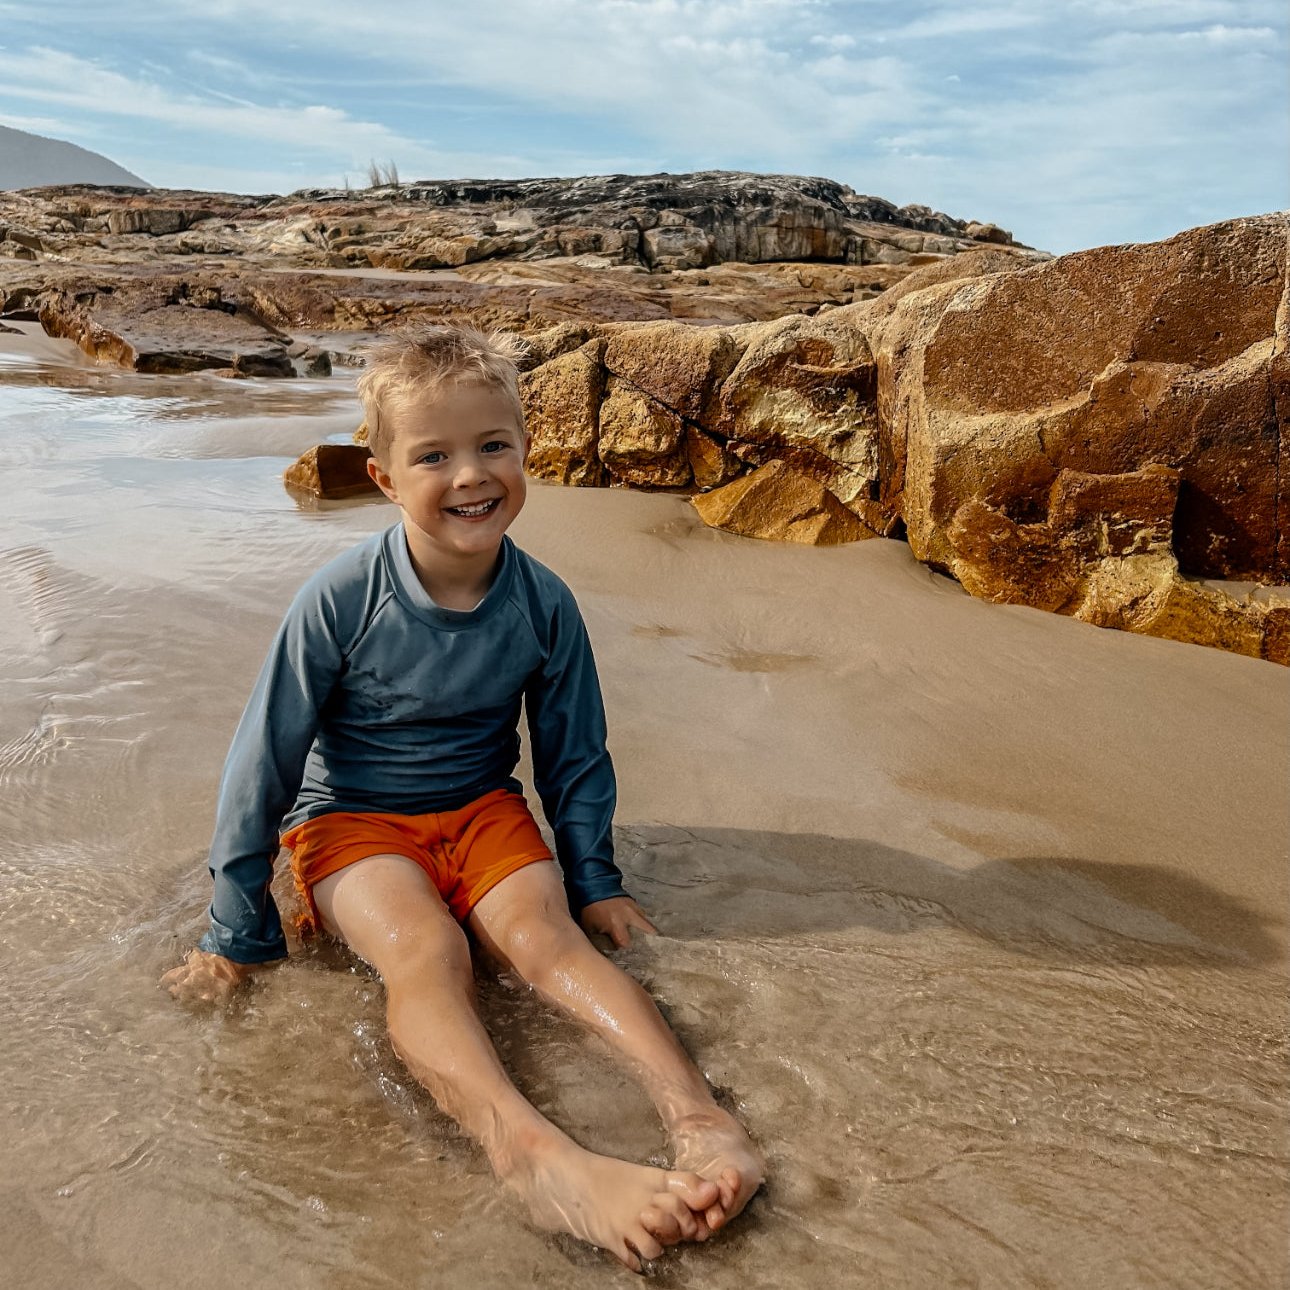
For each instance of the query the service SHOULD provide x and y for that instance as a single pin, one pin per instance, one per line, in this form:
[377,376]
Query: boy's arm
[572,772]
[262,776]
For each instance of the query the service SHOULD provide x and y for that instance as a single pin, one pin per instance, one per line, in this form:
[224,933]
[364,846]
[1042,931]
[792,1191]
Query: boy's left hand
[615,918]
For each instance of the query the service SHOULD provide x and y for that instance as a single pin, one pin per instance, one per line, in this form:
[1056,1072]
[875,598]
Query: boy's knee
[435,949]
[537,943]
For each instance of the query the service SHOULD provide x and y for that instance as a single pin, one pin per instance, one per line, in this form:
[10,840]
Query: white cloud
[1220,35]
[967,20]
[710,72]
[50,76]
[226,66]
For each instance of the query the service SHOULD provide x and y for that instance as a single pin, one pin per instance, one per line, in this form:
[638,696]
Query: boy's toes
[718,1213]
[671,1220]
[626,1255]
[643,1244]
[662,1225]
[730,1184]
[699,1193]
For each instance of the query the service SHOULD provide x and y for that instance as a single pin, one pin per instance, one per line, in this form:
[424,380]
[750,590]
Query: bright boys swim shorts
[465,853]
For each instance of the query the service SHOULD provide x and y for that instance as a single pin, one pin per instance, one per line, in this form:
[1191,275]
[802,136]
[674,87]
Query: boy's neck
[453,583]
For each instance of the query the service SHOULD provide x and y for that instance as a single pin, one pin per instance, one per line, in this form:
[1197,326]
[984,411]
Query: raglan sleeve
[262,775]
[572,771]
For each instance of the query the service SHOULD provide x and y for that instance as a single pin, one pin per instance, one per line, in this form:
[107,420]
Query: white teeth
[478,508]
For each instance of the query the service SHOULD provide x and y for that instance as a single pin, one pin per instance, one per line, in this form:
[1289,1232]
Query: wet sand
[977,915]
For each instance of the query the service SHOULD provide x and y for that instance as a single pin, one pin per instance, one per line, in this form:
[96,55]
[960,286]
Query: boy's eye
[496,445]
[432,458]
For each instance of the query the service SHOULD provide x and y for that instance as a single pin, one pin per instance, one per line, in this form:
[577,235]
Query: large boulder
[988,233]
[1102,362]
[155,221]
[680,246]
[1097,434]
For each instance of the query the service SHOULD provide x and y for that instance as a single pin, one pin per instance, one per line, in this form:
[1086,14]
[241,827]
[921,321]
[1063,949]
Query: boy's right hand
[206,978]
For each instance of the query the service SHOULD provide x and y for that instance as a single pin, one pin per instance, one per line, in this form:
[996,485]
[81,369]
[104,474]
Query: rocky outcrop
[656,222]
[714,246]
[166,326]
[1099,436]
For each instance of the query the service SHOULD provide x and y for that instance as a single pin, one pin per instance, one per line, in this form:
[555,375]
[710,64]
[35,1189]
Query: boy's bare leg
[388,912]
[524,922]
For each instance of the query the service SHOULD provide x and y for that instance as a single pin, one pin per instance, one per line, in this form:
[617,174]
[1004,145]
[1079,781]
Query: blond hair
[417,361]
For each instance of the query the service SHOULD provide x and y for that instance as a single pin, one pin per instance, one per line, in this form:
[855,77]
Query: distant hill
[31,161]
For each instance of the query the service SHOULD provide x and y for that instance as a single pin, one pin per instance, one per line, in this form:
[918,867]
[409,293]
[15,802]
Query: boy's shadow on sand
[743,884]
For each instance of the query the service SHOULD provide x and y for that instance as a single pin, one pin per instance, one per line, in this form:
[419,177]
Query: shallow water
[976,916]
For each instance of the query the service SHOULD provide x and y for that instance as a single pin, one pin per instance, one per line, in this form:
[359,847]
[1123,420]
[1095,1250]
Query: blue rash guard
[373,698]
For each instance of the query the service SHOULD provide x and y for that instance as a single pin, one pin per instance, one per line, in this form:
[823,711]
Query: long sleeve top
[374,698]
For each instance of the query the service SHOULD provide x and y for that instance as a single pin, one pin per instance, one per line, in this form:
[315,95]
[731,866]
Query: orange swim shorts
[465,852]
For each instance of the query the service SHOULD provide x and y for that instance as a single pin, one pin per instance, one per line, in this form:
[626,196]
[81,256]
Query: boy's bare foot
[714,1145]
[632,1211]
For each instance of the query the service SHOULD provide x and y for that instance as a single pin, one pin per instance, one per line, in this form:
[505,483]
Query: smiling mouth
[475,510]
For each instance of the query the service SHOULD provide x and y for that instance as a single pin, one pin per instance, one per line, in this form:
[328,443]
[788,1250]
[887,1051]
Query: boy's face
[456,470]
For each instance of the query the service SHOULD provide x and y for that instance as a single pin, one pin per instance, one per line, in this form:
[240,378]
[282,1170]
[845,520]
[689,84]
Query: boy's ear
[381,479]
[528,447]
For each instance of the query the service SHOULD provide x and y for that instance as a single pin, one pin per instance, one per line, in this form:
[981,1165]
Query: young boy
[382,733]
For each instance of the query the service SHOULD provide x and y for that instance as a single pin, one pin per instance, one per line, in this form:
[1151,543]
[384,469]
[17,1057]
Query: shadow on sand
[741,884]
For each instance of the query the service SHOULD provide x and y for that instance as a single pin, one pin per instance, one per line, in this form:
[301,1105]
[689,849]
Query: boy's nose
[469,473]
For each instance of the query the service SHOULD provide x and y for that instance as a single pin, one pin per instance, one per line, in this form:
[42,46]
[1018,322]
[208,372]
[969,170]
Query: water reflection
[173,398]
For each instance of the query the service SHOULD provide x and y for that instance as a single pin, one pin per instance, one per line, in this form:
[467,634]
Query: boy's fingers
[642,924]
[621,932]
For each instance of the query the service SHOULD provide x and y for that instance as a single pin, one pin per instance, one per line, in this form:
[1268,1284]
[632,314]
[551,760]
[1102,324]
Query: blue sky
[1072,122]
